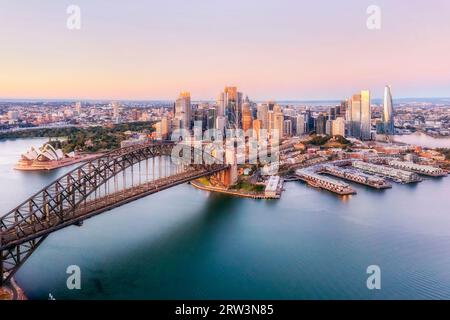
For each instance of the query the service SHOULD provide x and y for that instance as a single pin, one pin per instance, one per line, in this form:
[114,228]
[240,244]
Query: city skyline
[153,51]
[218,157]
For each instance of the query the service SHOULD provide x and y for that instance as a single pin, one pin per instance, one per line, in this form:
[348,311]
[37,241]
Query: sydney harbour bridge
[101,184]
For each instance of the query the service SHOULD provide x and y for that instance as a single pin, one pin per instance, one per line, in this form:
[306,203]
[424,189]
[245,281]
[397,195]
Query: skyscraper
[230,101]
[201,117]
[328,127]
[332,113]
[343,108]
[355,116]
[338,127]
[262,114]
[211,118]
[388,112]
[270,120]
[278,121]
[257,126]
[287,128]
[310,123]
[300,125]
[183,110]
[360,116]
[221,105]
[366,116]
[320,124]
[165,128]
[221,124]
[246,116]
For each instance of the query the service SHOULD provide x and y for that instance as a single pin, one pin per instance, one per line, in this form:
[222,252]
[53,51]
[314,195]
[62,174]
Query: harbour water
[423,140]
[185,243]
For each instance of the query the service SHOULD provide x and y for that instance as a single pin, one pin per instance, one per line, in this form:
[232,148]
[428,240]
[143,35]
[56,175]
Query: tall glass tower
[183,110]
[355,116]
[231,104]
[366,117]
[388,112]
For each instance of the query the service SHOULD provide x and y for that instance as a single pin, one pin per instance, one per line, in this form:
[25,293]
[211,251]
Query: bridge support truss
[96,186]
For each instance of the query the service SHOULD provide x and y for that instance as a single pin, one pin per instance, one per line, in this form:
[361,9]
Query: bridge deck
[32,229]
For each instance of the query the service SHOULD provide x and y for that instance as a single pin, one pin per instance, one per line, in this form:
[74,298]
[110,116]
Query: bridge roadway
[105,203]
[78,195]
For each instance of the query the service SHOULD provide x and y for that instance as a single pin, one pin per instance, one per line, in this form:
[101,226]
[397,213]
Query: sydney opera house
[47,158]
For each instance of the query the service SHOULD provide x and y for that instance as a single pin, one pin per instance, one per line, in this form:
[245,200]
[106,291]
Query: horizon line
[200,100]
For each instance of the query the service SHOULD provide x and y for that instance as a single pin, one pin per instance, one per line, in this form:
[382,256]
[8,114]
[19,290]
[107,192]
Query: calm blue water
[189,244]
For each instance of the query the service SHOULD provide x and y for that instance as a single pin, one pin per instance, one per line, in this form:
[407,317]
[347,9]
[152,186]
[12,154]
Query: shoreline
[260,195]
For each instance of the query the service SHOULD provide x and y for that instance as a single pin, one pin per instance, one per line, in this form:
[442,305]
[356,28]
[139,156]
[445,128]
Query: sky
[270,50]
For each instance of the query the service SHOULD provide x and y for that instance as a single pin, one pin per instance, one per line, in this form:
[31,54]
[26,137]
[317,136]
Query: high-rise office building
[328,127]
[287,128]
[366,116]
[338,127]
[201,117]
[262,114]
[221,104]
[230,101]
[310,121]
[293,119]
[320,124]
[211,118]
[277,108]
[183,110]
[246,115]
[221,123]
[278,122]
[332,113]
[343,108]
[388,112]
[270,120]
[300,128]
[175,124]
[165,128]
[257,126]
[360,116]
[355,116]
[338,111]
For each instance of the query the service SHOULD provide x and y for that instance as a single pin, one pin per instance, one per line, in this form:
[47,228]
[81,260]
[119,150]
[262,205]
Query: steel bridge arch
[55,206]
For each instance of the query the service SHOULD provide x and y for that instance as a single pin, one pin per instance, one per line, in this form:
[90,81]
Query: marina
[318,181]
[356,176]
[397,175]
[364,173]
[417,168]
